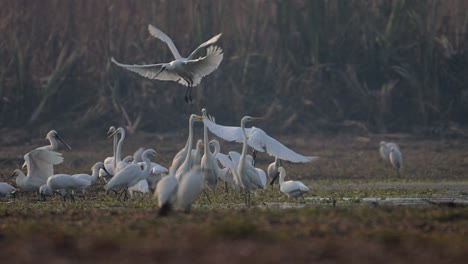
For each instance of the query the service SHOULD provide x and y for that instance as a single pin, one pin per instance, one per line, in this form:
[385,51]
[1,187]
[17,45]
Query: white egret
[131,174]
[166,191]
[396,159]
[197,153]
[187,164]
[156,170]
[39,163]
[7,190]
[384,149]
[119,164]
[209,163]
[222,173]
[189,188]
[109,161]
[291,188]
[141,187]
[179,158]
[228,163]
[186,71]
[65,184]
[257,139]
[272,170]
[93,176]
[248,174]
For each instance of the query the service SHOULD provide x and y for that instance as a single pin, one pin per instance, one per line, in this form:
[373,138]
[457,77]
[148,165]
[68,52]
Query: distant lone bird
[396,159]
[186,71]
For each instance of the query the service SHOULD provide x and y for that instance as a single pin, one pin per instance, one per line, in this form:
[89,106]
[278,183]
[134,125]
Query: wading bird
[273,171]
[109,161]
[396,159]
[52,136]
[131,174]
[7,190]
[189,188]
[141,187]
[291,188]
[209,164]
[186,71]
[187,164]
[166,191]
[65,184]
[222,173]
[257,139]
[40,164]
[384,149]
[93,176]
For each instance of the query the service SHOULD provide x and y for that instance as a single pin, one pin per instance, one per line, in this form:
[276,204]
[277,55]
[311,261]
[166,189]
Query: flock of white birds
[192,171]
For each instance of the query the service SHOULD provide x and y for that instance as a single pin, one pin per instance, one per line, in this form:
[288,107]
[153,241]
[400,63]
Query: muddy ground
[419,218]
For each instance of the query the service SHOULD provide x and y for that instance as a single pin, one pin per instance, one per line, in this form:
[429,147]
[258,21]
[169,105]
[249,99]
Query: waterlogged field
[358,211]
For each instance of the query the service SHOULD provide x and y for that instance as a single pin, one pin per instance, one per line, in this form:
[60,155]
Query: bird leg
[226,188]
[118,198]
[208,197]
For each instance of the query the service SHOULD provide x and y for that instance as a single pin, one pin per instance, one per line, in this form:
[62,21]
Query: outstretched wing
[229,133]
[40,163]
[259,140]
[205,65]
[164,38]
[204,44]
[225,161]
[151,71]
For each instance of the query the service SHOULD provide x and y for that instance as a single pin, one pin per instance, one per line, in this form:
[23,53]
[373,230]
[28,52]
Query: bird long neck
[147,167]
[118,153]
[188,155]
[21,178]
[281,176]
[244,147]
[216,148]
[53,144]
[205,140]
[114,149]
[95,173]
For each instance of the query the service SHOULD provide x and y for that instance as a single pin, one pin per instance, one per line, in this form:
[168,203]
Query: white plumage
[189,188]
[186,71]
[257,139]
[384,149]
[209,164]
[6,189]
[291,188]
[188,163]
[65,184]
[272,170]
[91,177]
[141,187]
[396,159]
[166,191]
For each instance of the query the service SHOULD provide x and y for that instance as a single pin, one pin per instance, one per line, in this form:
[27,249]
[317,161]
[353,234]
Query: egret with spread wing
[186,71]
[257,139]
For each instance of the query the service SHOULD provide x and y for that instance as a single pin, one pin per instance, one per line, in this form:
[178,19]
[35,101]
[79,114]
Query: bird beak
[199,118]
[274,179]
[162,69]
[63,141]
[111,135]
[104,169]
[257,118]
[110,131]
[25,164]
[13,174]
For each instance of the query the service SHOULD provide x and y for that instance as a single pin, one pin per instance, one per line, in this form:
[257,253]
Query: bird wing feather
[229,133]
[225,161]
[204,44]
[259,140]
[205,65]
[40,163]
[164,38]
[150,71]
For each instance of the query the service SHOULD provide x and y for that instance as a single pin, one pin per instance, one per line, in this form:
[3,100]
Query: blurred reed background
[314,66]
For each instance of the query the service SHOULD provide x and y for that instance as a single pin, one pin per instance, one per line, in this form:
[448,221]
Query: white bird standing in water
[291,188]
[396,159]
[65,184]
[186,71]
[189,188]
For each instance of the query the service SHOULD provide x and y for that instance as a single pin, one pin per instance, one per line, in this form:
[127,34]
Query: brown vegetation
[384,65]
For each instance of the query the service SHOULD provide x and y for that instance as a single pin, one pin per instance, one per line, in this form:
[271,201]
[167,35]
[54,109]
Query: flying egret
[396,159]
[187,164]
[7,190]
[141,187]
[65,184]
[93,176]
[384,149]
[186,71]
[166,191]
[272,170]
[131,174]
[257,139]
[39,163]
[189,188]
[291,188]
